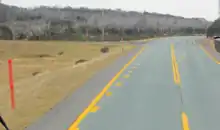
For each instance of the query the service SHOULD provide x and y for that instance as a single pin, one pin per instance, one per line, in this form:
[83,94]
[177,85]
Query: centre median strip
[176,74]
[76,123]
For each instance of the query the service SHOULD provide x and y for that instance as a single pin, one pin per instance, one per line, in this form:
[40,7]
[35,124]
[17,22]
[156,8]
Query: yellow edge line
[75,124]
[209,55]
[185,122]
[176,74]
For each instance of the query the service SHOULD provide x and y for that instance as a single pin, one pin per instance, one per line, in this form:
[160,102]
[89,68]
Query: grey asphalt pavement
[64,113]
[145,95]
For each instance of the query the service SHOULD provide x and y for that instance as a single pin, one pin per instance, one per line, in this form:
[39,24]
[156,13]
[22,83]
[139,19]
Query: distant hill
[93,17]
[62,23]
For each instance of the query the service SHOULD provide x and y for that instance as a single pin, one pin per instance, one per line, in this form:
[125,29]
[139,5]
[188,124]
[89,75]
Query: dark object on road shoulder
[60,53]
[3,123]
[104,50]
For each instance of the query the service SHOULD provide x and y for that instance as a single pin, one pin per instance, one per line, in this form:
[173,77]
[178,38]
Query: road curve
[169,84]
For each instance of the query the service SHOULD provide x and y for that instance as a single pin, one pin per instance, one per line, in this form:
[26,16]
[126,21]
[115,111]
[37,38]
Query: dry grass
[41,82]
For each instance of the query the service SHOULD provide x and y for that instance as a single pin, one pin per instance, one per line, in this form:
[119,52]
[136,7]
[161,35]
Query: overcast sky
[207,9]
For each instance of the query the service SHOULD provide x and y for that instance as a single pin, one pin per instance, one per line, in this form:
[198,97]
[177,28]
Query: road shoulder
[209,47]
[64,113]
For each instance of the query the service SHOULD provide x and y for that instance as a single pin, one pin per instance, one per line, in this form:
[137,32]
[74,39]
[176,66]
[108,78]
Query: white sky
[207,9]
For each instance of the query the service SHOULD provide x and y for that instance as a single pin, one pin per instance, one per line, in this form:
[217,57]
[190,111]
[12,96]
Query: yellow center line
[176,74]
[95,109]
[185,122]
[75,124]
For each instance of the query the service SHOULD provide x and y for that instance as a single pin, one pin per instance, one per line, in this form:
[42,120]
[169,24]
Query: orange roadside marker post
[11,84]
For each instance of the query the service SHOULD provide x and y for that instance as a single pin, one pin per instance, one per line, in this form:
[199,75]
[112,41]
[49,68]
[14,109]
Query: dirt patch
[40,83]
[60,53]
[80,61]
[37,56]
[35,73]
[104,49]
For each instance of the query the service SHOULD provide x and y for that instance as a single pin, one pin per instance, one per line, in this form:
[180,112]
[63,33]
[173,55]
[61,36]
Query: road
[169,84]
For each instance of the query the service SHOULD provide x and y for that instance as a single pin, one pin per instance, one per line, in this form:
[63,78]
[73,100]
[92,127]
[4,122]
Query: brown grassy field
[45,73]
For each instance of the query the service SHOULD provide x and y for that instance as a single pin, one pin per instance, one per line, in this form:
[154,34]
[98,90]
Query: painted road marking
[126,76]
[95,109]
[108,94]
[209,55]
[134,67]
[176,74]
[185,122]
[118,84]
[75,124]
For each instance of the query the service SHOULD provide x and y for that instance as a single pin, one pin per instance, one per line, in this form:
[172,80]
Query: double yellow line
[176,74]
[176,77]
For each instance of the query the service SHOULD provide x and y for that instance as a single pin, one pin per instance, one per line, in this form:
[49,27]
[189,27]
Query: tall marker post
[11,84]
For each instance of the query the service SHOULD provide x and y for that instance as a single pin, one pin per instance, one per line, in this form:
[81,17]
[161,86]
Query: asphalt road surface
[169,84]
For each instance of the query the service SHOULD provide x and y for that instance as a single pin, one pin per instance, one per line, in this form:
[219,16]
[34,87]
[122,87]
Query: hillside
[111,17]
[38,19]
